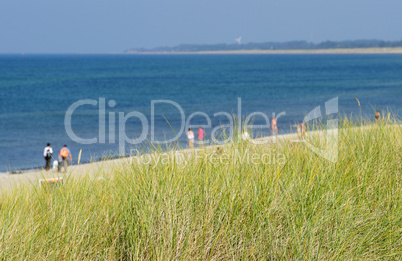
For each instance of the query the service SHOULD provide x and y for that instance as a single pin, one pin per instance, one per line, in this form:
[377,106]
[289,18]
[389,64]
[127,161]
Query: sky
[113,26]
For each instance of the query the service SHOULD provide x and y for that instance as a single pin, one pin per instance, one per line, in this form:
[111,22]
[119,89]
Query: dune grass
[269,202]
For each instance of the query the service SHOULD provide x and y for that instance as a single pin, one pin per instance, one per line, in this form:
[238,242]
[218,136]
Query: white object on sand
[55,164]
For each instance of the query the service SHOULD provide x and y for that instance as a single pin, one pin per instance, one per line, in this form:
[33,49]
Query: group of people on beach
[191,137]
[301,130]
[245,135]
[65,154]
[63,157]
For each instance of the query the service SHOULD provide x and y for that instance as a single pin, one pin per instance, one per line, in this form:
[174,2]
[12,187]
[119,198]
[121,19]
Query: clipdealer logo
[148,127]
[330,136]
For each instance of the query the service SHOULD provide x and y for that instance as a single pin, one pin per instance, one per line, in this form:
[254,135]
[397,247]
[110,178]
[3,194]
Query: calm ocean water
[36,91]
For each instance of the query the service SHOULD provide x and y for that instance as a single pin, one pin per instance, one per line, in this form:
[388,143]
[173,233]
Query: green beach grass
[285,203]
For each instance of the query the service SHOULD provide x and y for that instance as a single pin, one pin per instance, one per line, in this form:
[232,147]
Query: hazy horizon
[112,27]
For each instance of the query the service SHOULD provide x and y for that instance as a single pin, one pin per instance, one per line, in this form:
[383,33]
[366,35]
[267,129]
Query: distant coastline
[387,50]
[290,47]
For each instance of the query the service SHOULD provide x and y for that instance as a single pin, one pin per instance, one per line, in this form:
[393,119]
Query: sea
[110,105]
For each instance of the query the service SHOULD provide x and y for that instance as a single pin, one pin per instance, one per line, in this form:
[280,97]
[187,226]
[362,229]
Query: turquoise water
[37,90]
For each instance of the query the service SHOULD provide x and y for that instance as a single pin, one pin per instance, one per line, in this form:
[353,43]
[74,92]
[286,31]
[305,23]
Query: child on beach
[190,138]
[201,135]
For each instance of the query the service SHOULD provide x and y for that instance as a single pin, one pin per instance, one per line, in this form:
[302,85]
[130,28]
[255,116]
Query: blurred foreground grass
[276,201]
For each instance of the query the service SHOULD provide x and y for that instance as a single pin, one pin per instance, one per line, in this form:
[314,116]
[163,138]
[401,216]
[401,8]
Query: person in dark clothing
[47,154]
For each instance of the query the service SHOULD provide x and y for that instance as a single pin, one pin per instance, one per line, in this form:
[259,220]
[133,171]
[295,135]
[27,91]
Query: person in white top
[190,138]
[245,135]
[47,154]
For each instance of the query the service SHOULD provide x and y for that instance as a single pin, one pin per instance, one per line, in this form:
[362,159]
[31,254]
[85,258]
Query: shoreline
[98,168]
[32,176]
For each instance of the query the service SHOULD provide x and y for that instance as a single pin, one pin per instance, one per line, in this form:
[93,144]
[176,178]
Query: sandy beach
[396,50]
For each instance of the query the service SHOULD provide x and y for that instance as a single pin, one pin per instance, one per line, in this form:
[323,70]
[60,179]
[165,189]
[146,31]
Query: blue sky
[98,26]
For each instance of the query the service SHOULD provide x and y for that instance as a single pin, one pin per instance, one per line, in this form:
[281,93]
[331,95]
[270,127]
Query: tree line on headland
[291,45]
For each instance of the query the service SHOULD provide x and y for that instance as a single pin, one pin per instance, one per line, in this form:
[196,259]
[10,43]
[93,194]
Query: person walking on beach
[377,116]
[303,129]
[245,135]
[65,154]
[190,138]
[274,127]
[47,154]
[201,135]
